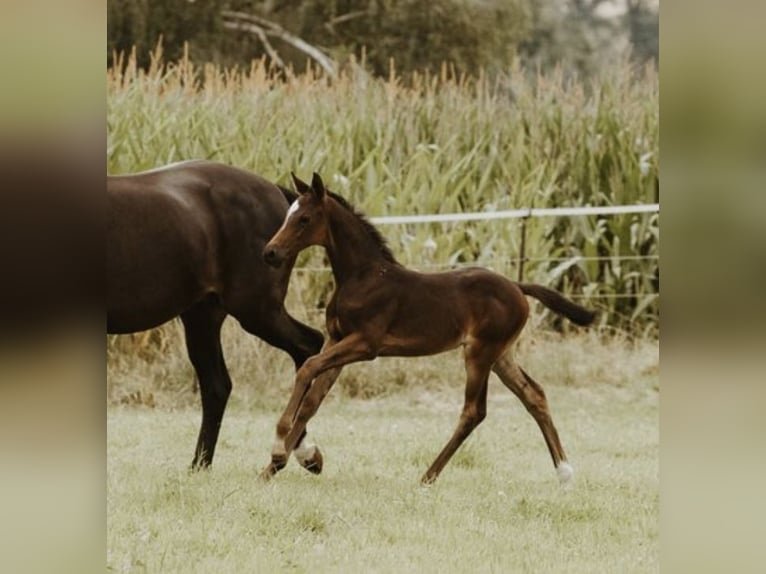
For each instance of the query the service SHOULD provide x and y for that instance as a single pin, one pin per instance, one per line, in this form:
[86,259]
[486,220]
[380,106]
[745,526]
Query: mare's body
[380,308]
[186,240]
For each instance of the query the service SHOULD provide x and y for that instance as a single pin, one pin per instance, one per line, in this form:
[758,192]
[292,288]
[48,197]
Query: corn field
[426,144]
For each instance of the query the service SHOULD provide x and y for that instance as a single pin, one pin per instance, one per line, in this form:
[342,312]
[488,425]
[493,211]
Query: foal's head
[305,223]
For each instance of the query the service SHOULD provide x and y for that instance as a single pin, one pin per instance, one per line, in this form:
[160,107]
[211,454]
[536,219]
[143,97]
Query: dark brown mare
[187,240]
[380,308]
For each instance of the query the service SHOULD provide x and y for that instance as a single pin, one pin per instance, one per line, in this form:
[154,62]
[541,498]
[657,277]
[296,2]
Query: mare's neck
[352,250]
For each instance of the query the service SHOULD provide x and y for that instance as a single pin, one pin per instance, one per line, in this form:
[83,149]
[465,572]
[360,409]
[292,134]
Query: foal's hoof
[267,473]
[314,463]
[565,472]
[278,461]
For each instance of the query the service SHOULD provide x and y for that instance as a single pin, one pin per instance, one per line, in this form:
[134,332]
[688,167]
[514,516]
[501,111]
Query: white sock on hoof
[279,446]
[305,451]
[565,472]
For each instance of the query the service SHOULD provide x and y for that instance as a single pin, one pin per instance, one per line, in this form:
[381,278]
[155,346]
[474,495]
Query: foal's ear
[300,185]
[317,185]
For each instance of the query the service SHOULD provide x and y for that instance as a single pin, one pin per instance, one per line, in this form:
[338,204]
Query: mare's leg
[533,397]
[478,361]
[328,363]
[202,326]
[275,326]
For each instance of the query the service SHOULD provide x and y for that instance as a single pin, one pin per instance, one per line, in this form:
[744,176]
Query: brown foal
[380,308]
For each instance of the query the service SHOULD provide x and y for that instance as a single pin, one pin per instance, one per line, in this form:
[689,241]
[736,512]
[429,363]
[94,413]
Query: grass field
[497,507]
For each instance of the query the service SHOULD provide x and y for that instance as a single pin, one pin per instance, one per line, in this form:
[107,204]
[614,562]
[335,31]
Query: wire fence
[522,214]
[510,265]
[517,214]
[498,262]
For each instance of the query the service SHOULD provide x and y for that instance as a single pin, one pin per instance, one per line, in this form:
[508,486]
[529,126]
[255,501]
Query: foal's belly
[419,345]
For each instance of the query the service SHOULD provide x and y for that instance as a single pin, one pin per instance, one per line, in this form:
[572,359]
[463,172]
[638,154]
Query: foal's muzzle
[272,256]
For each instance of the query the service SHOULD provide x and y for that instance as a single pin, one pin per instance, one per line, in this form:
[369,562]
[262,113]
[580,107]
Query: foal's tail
[558,303]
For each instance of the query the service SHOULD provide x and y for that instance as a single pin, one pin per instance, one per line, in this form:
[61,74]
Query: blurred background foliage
[580,35]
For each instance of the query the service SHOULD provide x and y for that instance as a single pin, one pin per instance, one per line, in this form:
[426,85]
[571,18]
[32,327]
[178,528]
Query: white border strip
[517,214]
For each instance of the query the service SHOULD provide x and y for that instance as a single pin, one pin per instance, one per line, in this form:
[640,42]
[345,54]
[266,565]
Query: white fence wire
[523,214]
[517,214]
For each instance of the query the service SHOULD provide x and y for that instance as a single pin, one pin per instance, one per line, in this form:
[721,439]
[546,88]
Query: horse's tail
[289,194]
[558,303]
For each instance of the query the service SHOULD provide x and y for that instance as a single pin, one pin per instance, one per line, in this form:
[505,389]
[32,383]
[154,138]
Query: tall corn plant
[429,143]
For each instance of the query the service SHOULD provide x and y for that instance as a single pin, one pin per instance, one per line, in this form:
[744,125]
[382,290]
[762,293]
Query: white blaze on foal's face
[294,206]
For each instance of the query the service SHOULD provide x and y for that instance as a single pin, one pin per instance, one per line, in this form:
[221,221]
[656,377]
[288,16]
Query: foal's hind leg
[533,397]
[202,326]
[275,326]
[478,361]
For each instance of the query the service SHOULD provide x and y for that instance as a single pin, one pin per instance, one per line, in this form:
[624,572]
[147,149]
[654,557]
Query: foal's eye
[304,219]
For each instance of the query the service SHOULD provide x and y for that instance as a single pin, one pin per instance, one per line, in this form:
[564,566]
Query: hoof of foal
[267,473]
[278,461]
[565,472]
[315,463]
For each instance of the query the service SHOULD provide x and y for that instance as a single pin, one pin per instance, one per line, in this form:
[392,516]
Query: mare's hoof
[427,480]
[315,463]
[198,466]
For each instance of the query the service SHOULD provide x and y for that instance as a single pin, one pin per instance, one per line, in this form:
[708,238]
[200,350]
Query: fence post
[523,246]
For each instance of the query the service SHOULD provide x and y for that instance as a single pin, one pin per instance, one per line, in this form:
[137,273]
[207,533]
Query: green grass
[497,507]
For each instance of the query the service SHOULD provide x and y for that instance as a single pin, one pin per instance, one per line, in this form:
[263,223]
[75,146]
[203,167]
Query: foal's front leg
[307,454]
[293,423]
[300,388]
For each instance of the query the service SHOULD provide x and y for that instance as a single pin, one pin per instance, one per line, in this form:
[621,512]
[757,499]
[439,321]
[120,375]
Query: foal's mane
[367,226]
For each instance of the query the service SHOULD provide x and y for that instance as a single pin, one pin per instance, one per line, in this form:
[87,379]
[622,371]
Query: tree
[417,35]
[586,35]
[142,23]
[643,25]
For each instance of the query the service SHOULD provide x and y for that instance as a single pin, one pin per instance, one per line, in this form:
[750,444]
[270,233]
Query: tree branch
[258,31]
[262,27]
[330,24]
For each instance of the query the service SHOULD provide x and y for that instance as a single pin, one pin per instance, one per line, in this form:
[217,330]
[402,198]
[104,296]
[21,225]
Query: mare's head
[305,223]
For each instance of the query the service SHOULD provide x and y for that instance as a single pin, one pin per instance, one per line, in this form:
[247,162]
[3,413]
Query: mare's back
[175,233]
